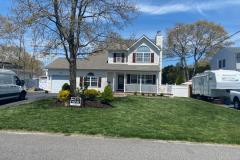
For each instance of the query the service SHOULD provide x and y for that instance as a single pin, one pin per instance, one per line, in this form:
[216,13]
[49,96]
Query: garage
[58,81]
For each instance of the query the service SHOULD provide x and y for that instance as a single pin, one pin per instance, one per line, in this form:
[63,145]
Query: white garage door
[57,82]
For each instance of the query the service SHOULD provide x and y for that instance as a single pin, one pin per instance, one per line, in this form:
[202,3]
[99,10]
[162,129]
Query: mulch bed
[96,104]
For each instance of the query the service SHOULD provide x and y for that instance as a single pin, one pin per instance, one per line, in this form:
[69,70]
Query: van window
[16,80]
[5,79]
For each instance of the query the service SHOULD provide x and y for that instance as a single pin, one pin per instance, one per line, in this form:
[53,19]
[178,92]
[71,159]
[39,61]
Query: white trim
[147,40]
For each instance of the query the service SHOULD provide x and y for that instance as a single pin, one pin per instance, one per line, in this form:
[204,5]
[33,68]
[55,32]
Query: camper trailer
[11,86]
[215,83]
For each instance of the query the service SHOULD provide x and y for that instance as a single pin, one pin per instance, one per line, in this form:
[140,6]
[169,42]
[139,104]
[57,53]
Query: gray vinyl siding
[230,59]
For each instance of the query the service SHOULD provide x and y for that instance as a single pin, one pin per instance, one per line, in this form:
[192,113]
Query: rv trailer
[215,83]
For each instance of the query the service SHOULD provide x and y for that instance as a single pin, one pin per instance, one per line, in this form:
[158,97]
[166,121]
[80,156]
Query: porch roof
[98,61]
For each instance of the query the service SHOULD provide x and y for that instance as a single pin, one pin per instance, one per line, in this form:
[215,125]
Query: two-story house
[136,68]
[227,59]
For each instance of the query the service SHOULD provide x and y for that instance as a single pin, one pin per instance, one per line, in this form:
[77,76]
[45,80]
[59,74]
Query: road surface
[39,146]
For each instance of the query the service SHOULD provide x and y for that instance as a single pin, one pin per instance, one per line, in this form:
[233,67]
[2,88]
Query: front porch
[140,82]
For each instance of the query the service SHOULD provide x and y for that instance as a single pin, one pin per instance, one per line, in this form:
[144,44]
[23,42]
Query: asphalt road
[35,146]
[29,98]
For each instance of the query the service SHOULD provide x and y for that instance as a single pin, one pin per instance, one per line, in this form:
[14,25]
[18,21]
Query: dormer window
[118,57]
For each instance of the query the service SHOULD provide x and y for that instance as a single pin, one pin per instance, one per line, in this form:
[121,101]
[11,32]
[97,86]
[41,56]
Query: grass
[134,116]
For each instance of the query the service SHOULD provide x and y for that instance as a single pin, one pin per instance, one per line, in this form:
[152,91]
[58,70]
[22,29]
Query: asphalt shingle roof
[98,61]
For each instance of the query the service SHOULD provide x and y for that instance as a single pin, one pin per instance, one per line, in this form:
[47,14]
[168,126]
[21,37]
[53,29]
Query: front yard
[133,116]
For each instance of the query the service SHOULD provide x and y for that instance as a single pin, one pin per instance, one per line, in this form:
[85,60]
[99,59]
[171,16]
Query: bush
[135,93]
[91,94]
[180,79]
[161,94]
[66,86]
[107,95]
[64,95]
[142,94]
[153,94]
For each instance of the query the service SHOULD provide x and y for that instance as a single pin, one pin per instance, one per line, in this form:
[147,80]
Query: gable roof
[98,61]
[149,40]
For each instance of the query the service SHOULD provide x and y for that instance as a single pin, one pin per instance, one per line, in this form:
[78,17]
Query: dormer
[118,57]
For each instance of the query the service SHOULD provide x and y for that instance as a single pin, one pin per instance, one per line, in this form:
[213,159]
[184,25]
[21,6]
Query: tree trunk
[73,69]
[73,74]
[194,67]
[186,69]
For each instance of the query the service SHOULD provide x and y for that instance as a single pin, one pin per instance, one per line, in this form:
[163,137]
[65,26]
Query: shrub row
[87,94]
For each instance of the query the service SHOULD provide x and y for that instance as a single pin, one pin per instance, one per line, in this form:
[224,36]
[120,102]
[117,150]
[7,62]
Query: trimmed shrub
[91,94]
[107,95]
[135,93]
[64,95]
[66,86]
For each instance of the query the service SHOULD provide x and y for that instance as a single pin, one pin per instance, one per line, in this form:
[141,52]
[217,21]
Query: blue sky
[155,15]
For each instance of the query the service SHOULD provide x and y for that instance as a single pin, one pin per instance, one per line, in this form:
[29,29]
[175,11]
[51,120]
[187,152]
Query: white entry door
[57,82]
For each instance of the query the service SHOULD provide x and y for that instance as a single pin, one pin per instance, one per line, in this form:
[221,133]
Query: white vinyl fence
[175,90]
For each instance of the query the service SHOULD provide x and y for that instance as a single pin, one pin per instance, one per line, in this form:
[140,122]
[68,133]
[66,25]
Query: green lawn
[156,118]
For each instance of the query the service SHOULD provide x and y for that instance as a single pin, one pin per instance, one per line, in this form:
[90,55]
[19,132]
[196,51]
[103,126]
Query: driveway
[29,98]
[35,146]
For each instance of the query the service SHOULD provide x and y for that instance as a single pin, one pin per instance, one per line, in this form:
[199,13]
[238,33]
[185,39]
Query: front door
[120,82]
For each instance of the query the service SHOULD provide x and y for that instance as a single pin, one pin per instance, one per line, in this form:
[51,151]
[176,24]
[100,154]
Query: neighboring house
[226,58]
[136,68]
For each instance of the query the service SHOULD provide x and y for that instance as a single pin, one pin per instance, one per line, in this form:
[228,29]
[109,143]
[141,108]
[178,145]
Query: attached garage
[57,82]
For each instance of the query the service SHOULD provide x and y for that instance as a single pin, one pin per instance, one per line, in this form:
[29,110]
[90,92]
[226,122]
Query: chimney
[159,39]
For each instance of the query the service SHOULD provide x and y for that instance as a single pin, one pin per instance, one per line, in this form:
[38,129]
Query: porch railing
[145,88]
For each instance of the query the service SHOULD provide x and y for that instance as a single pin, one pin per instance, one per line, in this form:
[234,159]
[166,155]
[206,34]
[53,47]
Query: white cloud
[186,7]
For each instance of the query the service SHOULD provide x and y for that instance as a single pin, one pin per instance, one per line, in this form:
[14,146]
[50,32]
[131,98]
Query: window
[143,49]
[219,64]
[224,63]
[238,57]
[90,80]
[143,55]
[133,78]
[118,57]
[146,79]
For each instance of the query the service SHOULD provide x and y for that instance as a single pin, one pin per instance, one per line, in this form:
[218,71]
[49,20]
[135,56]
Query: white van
[11,86]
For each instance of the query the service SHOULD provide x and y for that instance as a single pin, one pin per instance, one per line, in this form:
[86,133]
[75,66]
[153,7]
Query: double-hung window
[143,55]
[90,80]
[118,57]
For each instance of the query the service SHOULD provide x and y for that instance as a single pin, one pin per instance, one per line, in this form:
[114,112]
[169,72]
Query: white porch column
[77,81]
[140,83]
[114,74]
[124,82]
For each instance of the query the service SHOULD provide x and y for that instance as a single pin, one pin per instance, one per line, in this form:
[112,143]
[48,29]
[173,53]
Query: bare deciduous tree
[74,24]
[197,41]
[178,46]
[205,39]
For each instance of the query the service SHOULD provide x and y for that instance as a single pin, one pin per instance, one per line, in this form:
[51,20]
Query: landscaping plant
[65,86]
[91,94]
[64,96]
[107,95]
